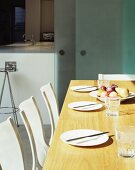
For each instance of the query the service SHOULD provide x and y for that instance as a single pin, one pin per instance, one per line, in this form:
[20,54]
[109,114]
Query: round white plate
[88,141]
[94,94]
[83,88]
[85,106]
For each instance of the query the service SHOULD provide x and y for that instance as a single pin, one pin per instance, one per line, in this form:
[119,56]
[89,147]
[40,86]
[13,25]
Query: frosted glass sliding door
[64,46]
[98,37]
[128,45]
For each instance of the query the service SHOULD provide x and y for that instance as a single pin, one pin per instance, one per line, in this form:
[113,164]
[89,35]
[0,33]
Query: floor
[26,144]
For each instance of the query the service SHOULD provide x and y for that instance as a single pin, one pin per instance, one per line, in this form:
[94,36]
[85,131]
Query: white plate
[88,141]
[94,94]
[83,88]
[85,106]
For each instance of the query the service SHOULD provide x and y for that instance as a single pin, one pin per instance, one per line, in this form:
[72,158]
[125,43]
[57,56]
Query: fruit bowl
[112,91]
[95,94]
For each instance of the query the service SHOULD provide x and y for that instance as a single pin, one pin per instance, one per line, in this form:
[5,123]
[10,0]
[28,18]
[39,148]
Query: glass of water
[112,106]
[125,136]
[103,83]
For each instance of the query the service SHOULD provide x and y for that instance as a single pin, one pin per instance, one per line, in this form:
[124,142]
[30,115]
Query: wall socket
[10,65]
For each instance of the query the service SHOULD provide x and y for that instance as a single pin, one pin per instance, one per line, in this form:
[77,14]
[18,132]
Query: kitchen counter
[35,68]
[28,47]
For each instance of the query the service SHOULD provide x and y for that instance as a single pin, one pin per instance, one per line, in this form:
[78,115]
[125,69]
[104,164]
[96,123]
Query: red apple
[104,94]
[109,89]
[113,86]
[103,88]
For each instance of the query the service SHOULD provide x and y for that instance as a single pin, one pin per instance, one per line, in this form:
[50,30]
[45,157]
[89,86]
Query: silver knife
[83,88]
[85,105]
[98,134]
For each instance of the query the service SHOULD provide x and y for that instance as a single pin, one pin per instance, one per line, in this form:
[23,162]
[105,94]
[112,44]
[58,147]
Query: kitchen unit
[34,69]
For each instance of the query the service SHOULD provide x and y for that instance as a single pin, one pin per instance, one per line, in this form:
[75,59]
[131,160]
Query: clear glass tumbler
[125,136]
[112,106]
[103,83]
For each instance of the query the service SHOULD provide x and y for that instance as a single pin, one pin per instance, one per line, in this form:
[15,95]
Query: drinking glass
[125,136]
[103,83]
[112,106]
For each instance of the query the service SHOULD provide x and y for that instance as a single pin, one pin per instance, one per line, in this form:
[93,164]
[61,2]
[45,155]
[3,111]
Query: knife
[98,134]
[85,105]
[83,88]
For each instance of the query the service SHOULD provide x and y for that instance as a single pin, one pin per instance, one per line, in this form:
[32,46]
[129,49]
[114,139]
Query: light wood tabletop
[62,156]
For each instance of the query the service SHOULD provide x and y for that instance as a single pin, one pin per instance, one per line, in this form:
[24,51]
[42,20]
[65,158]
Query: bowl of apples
[112,91]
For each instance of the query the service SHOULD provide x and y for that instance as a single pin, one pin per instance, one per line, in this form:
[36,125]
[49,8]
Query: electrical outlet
[10,65]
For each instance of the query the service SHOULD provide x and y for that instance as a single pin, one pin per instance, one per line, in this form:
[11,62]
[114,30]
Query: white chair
[31,117]
[116,77]
[11,153]
[52,105]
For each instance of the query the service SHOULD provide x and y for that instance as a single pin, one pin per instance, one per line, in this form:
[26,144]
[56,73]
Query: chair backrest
[32,120]
[11,153]
[35,162]
[51,104]
[117,76]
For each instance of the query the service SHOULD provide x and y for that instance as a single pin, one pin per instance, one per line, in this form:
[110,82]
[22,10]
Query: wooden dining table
[62,156]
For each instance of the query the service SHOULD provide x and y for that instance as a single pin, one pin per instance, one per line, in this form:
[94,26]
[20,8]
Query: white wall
[33,71]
